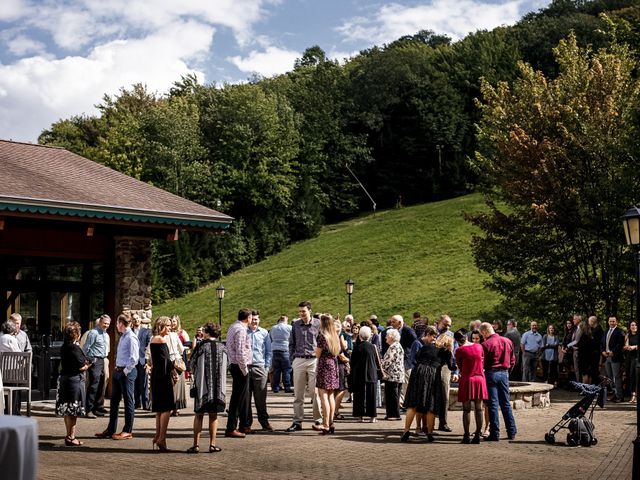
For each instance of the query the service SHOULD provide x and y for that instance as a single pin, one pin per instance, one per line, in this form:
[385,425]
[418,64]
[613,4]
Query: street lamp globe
[349,284]
[631,223]
[220,292]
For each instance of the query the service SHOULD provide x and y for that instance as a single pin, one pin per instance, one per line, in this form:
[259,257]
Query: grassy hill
[415,258]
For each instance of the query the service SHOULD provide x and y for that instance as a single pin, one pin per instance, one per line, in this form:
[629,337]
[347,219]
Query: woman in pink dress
[472,387]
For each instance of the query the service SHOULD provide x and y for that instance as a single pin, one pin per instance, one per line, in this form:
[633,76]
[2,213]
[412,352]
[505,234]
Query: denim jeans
[281,368]
[122,387]
[142,394]
[498,386]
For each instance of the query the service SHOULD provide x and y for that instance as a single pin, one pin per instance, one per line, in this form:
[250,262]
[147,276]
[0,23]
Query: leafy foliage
[558,163]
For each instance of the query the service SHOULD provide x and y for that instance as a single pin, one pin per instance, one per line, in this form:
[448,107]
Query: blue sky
[59,57]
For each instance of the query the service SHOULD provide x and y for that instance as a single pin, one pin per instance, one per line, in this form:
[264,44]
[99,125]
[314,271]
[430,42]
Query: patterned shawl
[209,367]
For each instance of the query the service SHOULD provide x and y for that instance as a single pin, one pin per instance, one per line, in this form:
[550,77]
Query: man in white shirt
[23,339]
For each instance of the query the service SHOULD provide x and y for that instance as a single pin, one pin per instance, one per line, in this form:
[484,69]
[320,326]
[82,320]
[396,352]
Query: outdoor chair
[15,368]
[1,396]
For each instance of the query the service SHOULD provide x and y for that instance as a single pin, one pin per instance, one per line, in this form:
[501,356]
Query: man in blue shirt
[279,335]
[530,344]
[123,382]
[258,373]
[96,349]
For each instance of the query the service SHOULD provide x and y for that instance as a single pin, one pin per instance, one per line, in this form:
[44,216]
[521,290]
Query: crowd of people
[330,360]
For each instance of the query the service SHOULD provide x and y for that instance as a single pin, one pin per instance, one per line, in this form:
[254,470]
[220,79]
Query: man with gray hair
[21,335]
[499,358]
[473,325]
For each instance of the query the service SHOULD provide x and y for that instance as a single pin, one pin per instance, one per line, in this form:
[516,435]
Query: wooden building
[75,237]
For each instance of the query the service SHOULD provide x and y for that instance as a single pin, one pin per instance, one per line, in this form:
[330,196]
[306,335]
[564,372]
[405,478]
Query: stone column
[133,273]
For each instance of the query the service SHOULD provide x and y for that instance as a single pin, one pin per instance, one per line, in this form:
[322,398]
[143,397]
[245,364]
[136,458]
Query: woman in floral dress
[327,374]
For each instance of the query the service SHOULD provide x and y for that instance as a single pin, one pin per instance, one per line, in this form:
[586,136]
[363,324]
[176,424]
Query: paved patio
[356,450]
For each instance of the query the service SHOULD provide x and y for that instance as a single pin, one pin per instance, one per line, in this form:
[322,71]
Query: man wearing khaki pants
[302,351]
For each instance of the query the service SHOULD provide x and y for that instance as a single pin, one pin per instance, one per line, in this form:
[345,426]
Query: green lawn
[415,258]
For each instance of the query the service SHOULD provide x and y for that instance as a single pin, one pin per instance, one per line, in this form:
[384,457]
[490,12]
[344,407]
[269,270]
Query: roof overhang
[24,206]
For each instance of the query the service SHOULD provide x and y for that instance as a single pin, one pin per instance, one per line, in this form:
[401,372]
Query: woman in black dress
[364,376]
[424,392]
[163,377]
[631,359]
[208,367]
[71,389]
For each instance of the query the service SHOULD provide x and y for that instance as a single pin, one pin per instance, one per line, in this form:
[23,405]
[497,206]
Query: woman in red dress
[472,387]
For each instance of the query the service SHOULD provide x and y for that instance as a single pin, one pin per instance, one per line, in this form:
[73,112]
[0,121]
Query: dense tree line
[281,154]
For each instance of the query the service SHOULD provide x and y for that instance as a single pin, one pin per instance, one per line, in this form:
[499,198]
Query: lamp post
[220,295]
[349,284]
[631,223]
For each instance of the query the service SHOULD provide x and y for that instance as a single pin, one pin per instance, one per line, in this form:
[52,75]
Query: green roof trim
[162,218]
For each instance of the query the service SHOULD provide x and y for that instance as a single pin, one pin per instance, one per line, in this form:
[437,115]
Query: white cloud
[22,45]
[12,9]
[41,90]
[76,23]
[455,19]
[271,61]
[341,56]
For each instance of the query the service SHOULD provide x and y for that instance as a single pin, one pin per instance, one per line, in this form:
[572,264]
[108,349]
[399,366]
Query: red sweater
[498,353]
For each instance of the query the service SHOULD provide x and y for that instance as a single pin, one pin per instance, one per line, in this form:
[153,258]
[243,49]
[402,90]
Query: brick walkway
[356,450]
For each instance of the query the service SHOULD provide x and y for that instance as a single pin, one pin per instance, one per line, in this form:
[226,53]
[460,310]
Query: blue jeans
[122,387]
[498,386]
[281,368]
[141,391]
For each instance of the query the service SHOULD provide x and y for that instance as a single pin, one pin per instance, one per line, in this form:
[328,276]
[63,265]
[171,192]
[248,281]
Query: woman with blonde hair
[327,373]
[176,350]
[163,378]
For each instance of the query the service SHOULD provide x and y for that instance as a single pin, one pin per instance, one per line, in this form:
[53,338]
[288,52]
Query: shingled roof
[37,179]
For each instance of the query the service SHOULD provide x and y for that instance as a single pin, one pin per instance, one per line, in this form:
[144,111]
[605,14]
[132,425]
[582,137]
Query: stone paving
[356,450]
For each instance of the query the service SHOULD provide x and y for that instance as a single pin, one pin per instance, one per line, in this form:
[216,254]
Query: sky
[58,58]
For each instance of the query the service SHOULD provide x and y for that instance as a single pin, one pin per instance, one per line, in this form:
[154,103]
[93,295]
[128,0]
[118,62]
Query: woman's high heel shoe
[162,447]
[405,436]
[332,429]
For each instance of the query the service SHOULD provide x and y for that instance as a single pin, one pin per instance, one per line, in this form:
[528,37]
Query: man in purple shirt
[302,351]
[239,353]
[499,358]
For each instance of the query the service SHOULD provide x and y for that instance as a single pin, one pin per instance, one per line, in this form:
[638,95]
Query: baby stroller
[575,420]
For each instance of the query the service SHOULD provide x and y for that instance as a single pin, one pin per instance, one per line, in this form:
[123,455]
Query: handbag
[178,362]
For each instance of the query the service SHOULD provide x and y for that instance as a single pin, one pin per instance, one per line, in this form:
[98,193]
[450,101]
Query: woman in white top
[175,351]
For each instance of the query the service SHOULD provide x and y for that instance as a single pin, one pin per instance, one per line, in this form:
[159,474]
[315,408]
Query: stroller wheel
[550,438]
[570,440]
[594,441]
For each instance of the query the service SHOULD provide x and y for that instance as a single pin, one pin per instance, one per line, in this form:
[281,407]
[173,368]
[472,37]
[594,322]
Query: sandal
[214,449]
[72,442]
[194,449]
